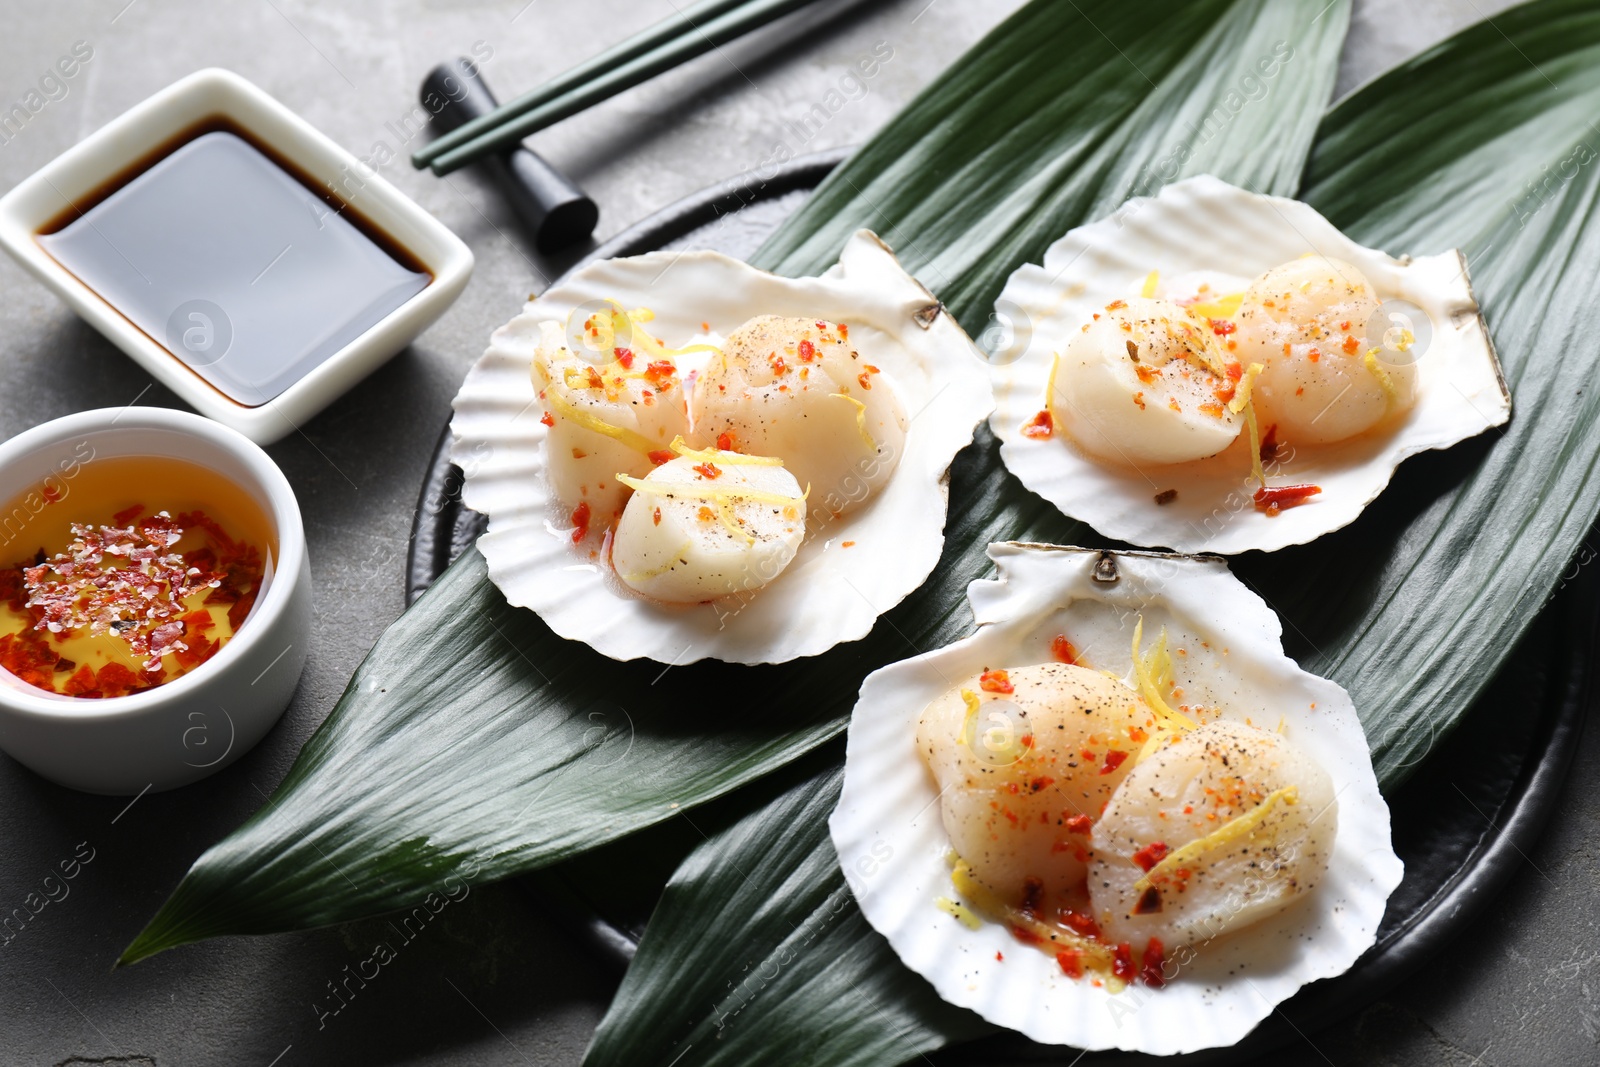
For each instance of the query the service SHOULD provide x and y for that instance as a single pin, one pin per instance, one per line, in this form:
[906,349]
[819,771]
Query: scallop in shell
[1363,360]
[1243,795]
[828,533]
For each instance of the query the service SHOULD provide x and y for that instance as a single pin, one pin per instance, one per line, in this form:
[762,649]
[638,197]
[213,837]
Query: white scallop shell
[892,843]
[1204,226]
[830,593]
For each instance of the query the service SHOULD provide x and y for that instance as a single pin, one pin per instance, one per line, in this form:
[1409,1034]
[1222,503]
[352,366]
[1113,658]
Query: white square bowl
[140,133]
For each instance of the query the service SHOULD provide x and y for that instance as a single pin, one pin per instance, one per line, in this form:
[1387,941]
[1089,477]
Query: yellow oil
[37,526]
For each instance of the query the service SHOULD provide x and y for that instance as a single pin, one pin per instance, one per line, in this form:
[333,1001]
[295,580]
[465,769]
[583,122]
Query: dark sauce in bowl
[235,262]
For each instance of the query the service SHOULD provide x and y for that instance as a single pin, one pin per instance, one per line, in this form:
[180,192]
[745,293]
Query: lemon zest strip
[1246,386]
[567,410]
[1255,445]
[1095,954]
[1148,669]
[959,912]
[1370,361]
[1241,826]
[861,419]
[1151,280]
[1224,307]
[969,725]
[722,456]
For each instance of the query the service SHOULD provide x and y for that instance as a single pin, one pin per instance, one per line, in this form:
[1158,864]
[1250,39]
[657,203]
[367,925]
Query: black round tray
[1463,823]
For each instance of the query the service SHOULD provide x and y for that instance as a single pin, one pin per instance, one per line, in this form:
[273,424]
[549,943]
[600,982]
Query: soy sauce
[234,264]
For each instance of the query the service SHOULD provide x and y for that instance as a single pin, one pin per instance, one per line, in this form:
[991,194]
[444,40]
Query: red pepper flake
[1150,855]
[593,379]
[779,367]
[1040,426]
[115,680]
[51,494]
[548,419]
[995,682]
[1115,304]
[580,522]
[1064,650]
[808,351]
[847,544]
[999,957]
[844,330]
[1025,935]
[1138,398]
[865,379]
[1269,444]
[1122,962]
[725,442]
[1273,499]
[708,470]
[1080,924]
[1137,735]
[706,514]
[1350,345]
[658,516]
[1149,902]
[1071,962]
[1032,896]
[1222,327]
[1147,375]
[624,357]
[119,580]
[82,683]
[1314,355]
[660,374]
[1214,410]
[1114,759]
[1150,973]
[1041,783]
[578,453]
[660,456]
[127,515]
[1079,824]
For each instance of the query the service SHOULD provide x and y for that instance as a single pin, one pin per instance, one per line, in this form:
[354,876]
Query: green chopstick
[511,123]
[635,46]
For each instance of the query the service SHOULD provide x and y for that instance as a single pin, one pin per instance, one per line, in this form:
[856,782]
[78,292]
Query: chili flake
[1064,650]
[1040,426]
[995,682]
[1150,855]
[1274,499]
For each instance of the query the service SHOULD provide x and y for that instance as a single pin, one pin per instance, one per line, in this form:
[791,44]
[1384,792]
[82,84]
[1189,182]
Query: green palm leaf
[1439,152]
[806,973]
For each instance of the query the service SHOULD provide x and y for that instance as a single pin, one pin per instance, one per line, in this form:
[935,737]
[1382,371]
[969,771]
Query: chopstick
[641,57]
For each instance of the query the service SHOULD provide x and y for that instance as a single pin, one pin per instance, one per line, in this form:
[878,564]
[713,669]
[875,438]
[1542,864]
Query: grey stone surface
[491,980]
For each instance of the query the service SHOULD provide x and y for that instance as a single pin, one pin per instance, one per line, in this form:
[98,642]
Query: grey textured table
[493,981]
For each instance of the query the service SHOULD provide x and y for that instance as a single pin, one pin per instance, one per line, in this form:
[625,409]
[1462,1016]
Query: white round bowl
[195,725]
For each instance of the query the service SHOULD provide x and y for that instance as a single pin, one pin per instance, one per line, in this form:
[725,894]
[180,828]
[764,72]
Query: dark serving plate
[1463,823]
